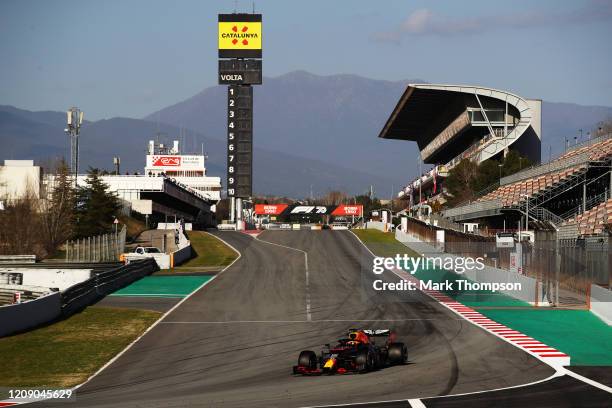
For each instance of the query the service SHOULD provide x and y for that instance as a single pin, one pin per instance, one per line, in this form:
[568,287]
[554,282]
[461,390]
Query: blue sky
[132,57]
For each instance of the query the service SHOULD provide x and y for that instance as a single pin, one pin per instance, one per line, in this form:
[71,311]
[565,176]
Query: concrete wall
[26,315]
[381,226]
[50,278]
[181,256]
[601,303]
[162,260]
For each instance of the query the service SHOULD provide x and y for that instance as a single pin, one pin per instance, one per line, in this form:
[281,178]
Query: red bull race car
[362,351]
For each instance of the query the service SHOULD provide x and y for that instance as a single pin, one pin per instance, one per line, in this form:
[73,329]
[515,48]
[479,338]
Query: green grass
[578,333]
[210,251]
[382,243]
[66,353]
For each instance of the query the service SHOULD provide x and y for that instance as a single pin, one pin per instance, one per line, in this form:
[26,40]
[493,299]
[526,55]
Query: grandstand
[455,122]
[563,208]
[557,193]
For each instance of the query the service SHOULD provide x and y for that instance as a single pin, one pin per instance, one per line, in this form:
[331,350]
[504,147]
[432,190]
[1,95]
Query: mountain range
[310,131]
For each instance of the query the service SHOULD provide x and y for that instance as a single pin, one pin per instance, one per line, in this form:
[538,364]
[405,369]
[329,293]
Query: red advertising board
[337,211]
[270,209]
[166,161]
[344,210]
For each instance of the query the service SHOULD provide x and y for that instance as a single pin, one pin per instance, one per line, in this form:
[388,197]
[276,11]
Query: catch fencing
[565,270]
[99,248]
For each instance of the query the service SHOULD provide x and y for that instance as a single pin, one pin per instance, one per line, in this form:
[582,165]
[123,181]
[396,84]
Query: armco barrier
[103,283]
[26,315]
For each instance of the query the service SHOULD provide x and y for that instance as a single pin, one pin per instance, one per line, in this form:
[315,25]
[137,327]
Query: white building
[189,170]
[18,177]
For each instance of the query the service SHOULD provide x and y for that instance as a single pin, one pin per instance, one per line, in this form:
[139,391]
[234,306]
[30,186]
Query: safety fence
[564,269]
[99,248]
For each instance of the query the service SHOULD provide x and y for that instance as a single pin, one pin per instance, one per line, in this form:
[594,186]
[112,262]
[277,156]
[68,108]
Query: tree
[488,173]
[20,227]
[461,181]
[514,162]
[96,207]
[57,213]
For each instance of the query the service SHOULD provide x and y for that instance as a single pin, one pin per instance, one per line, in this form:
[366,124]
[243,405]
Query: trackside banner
[336,211]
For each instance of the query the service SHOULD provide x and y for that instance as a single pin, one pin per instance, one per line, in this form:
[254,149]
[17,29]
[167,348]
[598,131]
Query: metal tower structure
[74,120]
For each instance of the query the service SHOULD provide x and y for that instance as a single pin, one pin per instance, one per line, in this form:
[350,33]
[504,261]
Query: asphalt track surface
[233,343]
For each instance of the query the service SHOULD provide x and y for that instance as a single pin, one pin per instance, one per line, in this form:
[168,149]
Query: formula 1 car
[364,350]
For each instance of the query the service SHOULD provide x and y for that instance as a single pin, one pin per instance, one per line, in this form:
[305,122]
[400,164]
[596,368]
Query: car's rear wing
[378,332]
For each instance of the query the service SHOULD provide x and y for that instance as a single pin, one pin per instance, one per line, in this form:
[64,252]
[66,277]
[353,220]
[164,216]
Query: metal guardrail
[473,208]
[102,283]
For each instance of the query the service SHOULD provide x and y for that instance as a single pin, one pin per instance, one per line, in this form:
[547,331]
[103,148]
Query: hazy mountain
[309,130]
[337,119]
[25,136]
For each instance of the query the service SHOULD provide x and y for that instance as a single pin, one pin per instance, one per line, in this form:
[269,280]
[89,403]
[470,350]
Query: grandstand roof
[420,113]
[443,122]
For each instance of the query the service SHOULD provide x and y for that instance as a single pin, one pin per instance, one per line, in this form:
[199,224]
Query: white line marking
[158,321]
[308,314]
[416,403]
[301,321]
[587,380]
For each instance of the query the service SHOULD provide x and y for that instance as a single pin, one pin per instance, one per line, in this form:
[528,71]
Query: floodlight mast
[74,120]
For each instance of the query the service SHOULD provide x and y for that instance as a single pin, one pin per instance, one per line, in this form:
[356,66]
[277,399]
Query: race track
[233,343]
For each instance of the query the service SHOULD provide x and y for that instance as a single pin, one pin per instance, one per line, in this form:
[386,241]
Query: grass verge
[66,353]
[382,243]
[210,254]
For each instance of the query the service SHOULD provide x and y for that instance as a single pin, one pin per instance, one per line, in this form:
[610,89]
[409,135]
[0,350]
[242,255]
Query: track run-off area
[233,341]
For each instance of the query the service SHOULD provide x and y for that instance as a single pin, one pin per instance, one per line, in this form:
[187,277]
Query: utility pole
[74,120]
[117,163]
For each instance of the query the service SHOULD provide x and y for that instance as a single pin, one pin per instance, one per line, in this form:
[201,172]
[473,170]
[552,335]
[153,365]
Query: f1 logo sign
[309,209]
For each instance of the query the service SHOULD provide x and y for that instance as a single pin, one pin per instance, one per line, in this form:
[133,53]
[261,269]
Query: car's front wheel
[308,359]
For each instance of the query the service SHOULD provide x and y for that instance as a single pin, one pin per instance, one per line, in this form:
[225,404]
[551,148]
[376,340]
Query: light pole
[526,211]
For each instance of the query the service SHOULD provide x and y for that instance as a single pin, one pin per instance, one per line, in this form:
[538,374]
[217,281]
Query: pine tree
[96,207]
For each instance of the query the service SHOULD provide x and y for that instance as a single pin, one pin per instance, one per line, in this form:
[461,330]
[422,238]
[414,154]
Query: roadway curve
[233,343]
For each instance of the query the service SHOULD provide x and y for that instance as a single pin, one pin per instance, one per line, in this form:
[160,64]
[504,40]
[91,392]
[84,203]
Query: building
[188,169]
[450,123]
[18,178]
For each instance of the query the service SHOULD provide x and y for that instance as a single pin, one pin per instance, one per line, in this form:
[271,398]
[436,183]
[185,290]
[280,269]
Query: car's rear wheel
[365,361]
[398,354]
[308,359]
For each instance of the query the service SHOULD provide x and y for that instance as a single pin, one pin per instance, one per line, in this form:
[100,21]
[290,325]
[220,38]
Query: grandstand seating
[511,194]
[597,151]
[595,220]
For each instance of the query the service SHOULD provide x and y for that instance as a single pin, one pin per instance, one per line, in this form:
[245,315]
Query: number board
[239,141]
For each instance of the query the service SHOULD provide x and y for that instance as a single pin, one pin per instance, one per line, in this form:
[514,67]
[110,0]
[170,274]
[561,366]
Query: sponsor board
[175,162]
[336,211]
[239,35]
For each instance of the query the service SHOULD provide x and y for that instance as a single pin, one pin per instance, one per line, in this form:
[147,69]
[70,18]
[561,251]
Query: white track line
[308,314]
[158,321]
[559,371]
[302,321]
